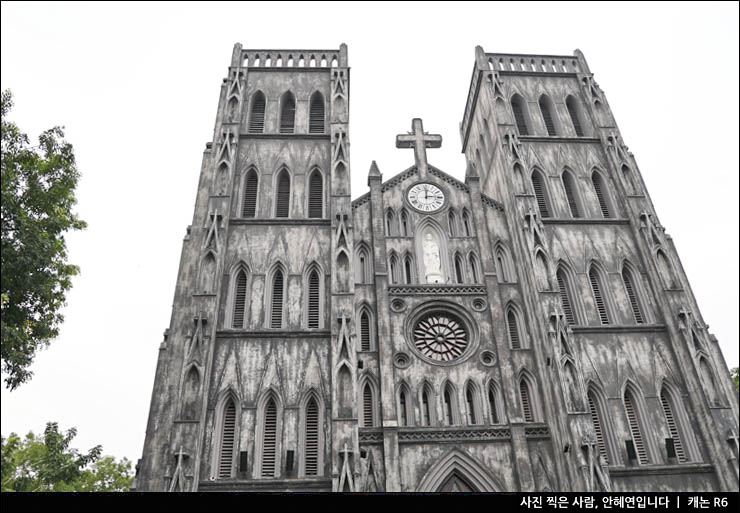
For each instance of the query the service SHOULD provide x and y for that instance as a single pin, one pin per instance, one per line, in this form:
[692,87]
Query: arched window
[395,272]
[314,294]
[518,106]
[240,299]
[228,429]
[602,195]
[571,193]
[408,268]
[207,273]
[257,117]
[540,192]
[594,277]
[404,223]
[598,420]
[363,271]
[574,111]
[512,324]
[466,223]
[365,331]
[450,405]
[527,399]
[494,403]
[316,195]
[390,221]
[459,275]
[635,420]
[518,179]
[672,421]
[249,202]
[276,307]
[629,178]
[452,223]
[541,271]
[471,400]
[403,406]
[269,440]
[427,405]
[316,114]
[504,265]
[547,115]
[631,288]
[311,438]
[282,196]
[565,293]
[368,405]
[287,114]
[474,269]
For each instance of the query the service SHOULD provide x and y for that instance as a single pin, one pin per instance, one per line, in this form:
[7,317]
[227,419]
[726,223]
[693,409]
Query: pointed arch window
[503,261]
[540,193]
[408,268]
[512,323]
[630,286]
[452,223]
[602,195]
[565,296]
[365,331]
[459,275]
[669,411]
[311,441]
[404,223]
[525,395]
[257,117]
[190,394]
[316,195]
[314,298]
[426,406]
[466,223]
[635,419]
[573,111]
[394,269]
[316,114]
[287,114]
[541,271]
[276,308]
[472,404]
[240,299]
[269,439]
[282,198]
[448,397]
[362,265]
[228,429]
[474,269]
[597,421]
[707,378]
[517,105]
[571,193]
[368,416]
[594,277]
[493,403]
[249,201]
[403,407]
[629,178]
[390,220]
[547,115]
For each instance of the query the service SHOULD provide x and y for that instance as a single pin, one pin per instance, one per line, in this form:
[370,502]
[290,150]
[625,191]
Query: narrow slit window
[257,118]
[599,300]
[539,191]
[492,405]
[425,418]
[313,300]
[287,115]
[670,418]
[601,195]
[312,438]
[316,114]
[598,426]
[635,428]
[513,326]
[282,199]
[472,417]
[629,286]
[249,205]
[570,102]
[570,193]
[524,394]
[364,332]
[276,317]
[316,195]
[269,440]
[564,293]
[403,420]
[518,108]
[226,456]
[240,299]
[367,406]
[547,116]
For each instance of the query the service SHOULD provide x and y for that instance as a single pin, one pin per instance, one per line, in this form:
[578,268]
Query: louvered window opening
[269,440]
[635,429]
[492,405]
[630,288]
[598,428]
[367,407]
[672,427]
[402,406]
[565,299]
[598,297]
[471,406]
[448,408]
[570,194]
[513,330]
[526,404]
[276,316]
[316,196]
[316,115]
[364,332]
[312,438]
[313,300]
[227,441]
[257,120]
[521,123]
[240,299]
[599,189]
[539,193]
[249,208]
[425,408]
[574,118]
[287,116]
[547,117]
[282,203]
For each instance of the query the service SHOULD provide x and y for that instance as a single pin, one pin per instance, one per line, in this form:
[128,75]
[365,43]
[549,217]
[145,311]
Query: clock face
[426,197]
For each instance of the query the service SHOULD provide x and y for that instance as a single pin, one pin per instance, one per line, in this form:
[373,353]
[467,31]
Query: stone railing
[533,63]
[293,58]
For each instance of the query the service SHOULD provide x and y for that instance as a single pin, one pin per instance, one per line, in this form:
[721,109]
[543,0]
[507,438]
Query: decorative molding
[280,220]
[581,221]
[453,434]
[612,328]
[661,470]
[451,290]
[537,432]
[491,202]
[538,138]
[276,333]
[245,136]
[398,179]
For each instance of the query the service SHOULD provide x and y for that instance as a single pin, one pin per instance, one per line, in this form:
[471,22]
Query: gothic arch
[678,423]
[190,393]
[314,299]
[459,263]
[311,443]
[226,438]
[601,419]
[638,423]
[635,291]
[427,406]
[267,443]
[519,187]
[496,408]
[601,293]
[363,263]
[467,223]
[541,192]
[572,193]
[504,264]
[207,278]
[250,193]
[709,382]
[346,398]
[368,400]
[404,405]
[287,109]
[572,384]
[366,327]
[458,461]
[515,327]
[429,226]
[394,268]
[342,271]
[257,112]
[237,302]
[450,407]
[576,115]
[542,270]
[567,291]
[529,397]
[275,295]
[629,179]
[549,115]
[404,223]
[315,193]
[452,222]
[665,269]
[604,197]
[475,268]
[473,403]
[390,222]
[521,116]
[283,187]
[317,114]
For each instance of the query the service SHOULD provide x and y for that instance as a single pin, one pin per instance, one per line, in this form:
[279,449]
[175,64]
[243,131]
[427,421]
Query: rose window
[440,336]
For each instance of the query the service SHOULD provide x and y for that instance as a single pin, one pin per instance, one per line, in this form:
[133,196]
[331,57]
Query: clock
[426,197]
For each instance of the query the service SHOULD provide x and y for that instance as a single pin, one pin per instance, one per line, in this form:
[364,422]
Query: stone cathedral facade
[527,329]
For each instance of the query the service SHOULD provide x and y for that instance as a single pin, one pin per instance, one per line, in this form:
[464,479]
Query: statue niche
[430,244]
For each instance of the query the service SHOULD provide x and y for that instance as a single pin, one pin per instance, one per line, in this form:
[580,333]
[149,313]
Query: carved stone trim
[452,290]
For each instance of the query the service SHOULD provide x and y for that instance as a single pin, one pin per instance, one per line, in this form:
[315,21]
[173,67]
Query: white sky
[137,86]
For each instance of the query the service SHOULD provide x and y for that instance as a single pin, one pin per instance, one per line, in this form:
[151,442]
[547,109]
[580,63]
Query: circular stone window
[398,305]
[478,304]
[488,358]
[441,336]
[401,360]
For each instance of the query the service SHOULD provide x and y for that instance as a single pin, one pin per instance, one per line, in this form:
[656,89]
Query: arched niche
[433,266]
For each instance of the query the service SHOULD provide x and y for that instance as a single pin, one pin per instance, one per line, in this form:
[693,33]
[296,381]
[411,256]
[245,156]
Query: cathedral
[528,329]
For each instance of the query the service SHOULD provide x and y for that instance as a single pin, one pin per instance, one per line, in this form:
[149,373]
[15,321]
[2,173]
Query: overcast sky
[137,86]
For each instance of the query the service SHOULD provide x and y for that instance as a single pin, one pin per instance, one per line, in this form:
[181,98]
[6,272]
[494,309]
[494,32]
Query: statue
[432,262]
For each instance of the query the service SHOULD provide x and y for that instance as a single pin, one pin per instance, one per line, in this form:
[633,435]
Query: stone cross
[420,141]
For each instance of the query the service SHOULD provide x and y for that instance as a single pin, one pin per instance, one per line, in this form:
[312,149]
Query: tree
[736,377]
[45,463]
[38,186]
